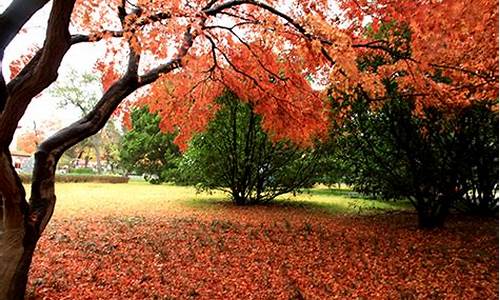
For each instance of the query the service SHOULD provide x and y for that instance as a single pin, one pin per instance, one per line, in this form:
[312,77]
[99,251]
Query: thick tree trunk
[11,254]
[16,235]
[15,259]
[22,223]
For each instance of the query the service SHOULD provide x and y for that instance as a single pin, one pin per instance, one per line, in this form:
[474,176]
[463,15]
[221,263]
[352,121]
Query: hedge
[26,178]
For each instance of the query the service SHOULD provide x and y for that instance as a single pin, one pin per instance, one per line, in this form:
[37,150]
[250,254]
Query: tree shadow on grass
[325,200]
[345,192]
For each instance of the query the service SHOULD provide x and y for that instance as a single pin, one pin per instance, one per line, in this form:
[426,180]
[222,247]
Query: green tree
[476,133]
[146,150]
[236,156]
[437,156]
[438,159]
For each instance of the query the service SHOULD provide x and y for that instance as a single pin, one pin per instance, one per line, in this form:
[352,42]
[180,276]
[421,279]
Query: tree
[30,137]
[81,92]
[476,129]
[28,141]
[236,156]
[403,148]
[145,149]
[431,159]
[261,50]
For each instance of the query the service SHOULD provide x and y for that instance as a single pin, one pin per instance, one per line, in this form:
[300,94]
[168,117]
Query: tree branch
[56,45]
[172,64]
[14,18]
[11,21]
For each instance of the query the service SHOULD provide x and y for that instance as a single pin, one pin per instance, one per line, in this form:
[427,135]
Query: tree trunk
[17,247]
[98,159]
[17,239]
[433,217]
[96,142]
[22,223]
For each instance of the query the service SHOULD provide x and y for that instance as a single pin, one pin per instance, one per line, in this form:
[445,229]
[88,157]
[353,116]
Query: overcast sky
[80,57]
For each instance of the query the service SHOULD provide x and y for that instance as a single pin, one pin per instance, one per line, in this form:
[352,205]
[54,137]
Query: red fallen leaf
[263,253]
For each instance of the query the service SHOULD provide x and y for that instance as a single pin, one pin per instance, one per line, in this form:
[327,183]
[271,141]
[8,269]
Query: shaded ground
[143,247]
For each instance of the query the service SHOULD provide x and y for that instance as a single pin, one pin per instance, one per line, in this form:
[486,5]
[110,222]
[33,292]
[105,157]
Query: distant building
[20,159]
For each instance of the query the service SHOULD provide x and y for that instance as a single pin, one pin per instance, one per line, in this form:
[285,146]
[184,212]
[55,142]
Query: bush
[82,171]
[26,178]
[235,155]
[438,158]
[477,158]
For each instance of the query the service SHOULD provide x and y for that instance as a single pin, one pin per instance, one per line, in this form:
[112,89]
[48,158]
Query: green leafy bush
[82,171]
[146,150]
[438,158]
[235,155]
[26,178]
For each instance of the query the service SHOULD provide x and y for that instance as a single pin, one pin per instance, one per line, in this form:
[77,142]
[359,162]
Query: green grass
[140,198]
[342,200]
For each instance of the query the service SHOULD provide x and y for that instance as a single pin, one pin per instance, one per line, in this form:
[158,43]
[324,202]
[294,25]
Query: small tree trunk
[96,140]
[98,159]
[238,199]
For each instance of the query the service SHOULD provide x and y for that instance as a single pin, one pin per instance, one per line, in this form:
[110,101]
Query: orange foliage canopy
[265,60]
[28,141]
[459,39]
[274,53]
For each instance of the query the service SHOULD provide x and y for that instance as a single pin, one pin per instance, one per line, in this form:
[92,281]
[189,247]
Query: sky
[80,57]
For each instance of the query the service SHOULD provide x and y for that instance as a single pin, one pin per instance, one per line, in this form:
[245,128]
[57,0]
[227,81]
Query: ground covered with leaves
[143,247]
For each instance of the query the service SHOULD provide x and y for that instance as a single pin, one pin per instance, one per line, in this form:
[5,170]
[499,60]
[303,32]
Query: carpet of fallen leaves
[263,252]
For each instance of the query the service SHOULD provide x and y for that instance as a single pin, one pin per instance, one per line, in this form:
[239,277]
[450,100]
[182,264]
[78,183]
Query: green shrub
[26,178]
[438,158]
[237,156]
[147,151]
[82,171]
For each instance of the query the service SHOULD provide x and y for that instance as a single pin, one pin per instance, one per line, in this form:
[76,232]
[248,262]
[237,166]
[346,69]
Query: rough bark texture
[21,222]
[13,229]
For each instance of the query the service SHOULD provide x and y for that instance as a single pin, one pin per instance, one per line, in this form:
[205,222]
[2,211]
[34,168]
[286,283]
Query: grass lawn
[143,198]
[141,241]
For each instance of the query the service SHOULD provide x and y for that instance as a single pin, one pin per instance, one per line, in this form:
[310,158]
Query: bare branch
[230,29]
[234,3]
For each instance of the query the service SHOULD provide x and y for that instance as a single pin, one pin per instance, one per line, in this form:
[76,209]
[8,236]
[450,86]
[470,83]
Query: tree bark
[18,245]
[21,222]
[17,242]
[97,148]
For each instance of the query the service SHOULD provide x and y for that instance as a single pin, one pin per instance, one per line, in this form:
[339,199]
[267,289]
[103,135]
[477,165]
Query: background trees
[235,155]
[145,150]
[28,140]
[81,91]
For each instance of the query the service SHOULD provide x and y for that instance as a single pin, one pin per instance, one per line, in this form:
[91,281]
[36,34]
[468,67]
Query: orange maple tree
[266,61]
[267,52]
[28,141]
